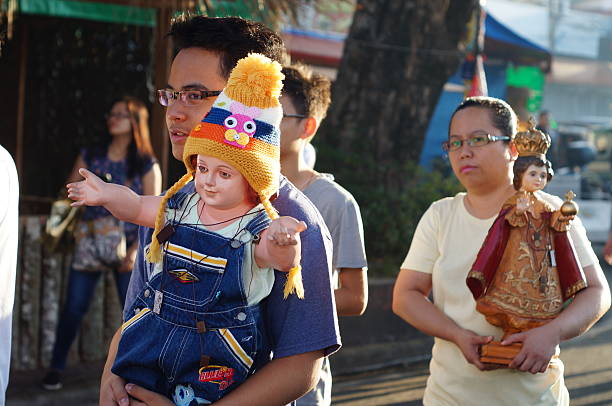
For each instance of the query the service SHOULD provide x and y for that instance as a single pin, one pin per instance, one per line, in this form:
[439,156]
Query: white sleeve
[582,245]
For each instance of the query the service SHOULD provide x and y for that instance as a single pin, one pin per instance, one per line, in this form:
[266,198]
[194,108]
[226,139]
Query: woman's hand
[127,264]
[469,343]
[88,192]
[539,346]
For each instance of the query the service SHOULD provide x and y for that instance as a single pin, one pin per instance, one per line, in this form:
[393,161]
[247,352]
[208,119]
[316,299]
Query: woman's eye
[477,140]
[202,169]
[224,174]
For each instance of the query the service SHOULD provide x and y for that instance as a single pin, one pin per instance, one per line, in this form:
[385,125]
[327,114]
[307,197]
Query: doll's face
[534,178]
[220,185]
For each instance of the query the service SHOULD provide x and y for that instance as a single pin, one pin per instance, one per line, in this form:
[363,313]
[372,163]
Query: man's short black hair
[233,38]
[309,91]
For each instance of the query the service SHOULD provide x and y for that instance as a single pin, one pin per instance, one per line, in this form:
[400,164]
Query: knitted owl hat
[242,129]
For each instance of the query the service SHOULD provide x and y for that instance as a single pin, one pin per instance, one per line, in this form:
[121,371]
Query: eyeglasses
[294,116]
[116,115]
[475,140]
[193,97]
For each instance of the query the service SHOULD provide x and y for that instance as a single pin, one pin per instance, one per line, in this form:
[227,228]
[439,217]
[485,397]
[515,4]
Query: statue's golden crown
[532,141]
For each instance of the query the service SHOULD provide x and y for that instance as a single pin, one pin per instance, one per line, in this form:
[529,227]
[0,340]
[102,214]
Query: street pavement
[588,375]
[587,359]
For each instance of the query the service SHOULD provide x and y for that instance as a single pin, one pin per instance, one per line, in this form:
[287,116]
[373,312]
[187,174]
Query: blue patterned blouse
[115,172]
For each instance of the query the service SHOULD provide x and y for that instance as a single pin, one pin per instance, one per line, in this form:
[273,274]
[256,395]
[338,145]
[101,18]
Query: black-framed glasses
[116,115]
[191,97]
[474,140]
[294,116]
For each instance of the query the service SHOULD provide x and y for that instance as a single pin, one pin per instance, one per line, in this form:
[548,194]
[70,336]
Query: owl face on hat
[242,127]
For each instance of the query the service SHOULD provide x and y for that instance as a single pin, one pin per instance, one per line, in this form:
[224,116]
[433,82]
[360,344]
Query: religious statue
[526,268]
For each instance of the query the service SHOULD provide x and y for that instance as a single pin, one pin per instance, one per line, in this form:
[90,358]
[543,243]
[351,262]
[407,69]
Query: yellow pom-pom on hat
[242,129]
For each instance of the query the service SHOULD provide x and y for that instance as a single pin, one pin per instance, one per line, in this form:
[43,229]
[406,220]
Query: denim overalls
[193,337]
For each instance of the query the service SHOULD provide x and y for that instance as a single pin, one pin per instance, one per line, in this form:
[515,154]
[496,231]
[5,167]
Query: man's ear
[310,127]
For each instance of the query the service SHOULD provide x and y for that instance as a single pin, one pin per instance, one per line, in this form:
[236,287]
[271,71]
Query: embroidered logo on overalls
[184,395]
[221,375]
[183,276]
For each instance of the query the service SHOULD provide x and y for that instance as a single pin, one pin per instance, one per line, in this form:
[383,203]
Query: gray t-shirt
[341,214]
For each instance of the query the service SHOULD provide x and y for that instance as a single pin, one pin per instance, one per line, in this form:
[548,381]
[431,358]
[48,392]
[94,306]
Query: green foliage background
[392,196]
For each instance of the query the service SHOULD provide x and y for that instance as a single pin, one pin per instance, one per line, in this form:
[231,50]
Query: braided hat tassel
[154,254]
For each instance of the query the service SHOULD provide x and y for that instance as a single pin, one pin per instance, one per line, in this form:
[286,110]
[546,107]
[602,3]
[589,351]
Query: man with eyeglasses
[301,332]
[305,99]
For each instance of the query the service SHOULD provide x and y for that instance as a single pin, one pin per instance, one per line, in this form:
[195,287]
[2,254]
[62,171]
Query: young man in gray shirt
[305,99]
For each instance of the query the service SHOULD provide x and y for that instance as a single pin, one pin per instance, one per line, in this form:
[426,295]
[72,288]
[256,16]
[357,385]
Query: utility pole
[555,13]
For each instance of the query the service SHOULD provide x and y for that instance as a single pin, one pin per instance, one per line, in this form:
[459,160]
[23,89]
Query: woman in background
[126,158]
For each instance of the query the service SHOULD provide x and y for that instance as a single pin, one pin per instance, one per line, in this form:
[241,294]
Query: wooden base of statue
[499,355]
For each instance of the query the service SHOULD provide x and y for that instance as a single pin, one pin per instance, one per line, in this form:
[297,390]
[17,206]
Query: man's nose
[176,111]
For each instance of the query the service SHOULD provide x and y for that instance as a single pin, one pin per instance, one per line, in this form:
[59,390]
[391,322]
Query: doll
[526,269]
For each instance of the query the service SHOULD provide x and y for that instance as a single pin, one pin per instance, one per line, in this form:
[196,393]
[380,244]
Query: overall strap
[259,223]
[179,198]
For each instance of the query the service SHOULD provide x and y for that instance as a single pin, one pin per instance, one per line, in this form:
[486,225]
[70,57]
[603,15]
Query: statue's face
[534,178]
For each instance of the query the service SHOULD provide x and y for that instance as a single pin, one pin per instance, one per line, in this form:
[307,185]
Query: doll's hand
[539,346]
[469,343]
[88,192]
[285,230]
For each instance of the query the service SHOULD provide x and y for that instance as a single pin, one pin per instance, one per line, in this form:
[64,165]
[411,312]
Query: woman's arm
[411,303]
[120,200]
[587,307]
[152,181]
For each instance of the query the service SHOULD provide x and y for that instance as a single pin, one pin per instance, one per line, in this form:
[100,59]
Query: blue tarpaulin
[502,47]
[499,32]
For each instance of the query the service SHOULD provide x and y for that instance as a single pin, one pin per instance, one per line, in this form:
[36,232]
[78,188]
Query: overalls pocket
[191,277]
